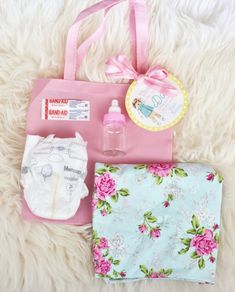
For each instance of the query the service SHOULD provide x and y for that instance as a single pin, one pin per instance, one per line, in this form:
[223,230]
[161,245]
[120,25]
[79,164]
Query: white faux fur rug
[195,40]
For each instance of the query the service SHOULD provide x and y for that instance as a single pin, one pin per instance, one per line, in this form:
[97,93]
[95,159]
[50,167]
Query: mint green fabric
[158,221]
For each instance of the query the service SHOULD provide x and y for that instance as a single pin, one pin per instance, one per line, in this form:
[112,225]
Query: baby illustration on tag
[146,110]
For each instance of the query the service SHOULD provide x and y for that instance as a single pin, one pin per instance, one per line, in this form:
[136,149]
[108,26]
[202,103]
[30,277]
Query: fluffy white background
[195,40]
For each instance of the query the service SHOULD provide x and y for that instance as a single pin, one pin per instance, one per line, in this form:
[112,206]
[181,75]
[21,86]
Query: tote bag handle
[138,35]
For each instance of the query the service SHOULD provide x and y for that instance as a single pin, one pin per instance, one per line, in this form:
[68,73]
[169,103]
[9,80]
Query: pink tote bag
[143,146]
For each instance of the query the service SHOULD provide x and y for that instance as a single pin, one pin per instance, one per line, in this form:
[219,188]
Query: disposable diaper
[52,174]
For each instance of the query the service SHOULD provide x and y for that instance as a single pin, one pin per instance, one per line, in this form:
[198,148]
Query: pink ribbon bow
[155,77]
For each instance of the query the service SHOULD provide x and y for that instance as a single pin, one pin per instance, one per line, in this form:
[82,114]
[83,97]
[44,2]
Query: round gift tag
[153,110]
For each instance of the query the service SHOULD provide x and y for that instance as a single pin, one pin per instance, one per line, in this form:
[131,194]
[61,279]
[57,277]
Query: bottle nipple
[114,108]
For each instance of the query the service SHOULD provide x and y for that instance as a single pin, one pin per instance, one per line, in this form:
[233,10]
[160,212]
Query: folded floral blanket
[158,221]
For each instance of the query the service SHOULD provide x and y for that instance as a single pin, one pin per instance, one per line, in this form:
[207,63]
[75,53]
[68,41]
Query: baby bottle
[114,131]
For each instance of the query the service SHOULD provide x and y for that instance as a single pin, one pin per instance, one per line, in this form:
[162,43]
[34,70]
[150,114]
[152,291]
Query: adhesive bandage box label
[65,109]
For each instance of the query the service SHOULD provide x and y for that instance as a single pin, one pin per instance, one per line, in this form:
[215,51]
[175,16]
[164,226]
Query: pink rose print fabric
[151,273]
[106,192]
[157,221]
[203,243]
[105,186]
[104,264]
[160,171]
[214,175]
[168,201]
[149,226]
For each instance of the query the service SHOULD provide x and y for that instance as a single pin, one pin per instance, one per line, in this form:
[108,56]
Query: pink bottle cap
[114,117]
[114,114]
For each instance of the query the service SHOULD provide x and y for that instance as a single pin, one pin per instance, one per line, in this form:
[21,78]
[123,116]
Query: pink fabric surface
[143,146]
